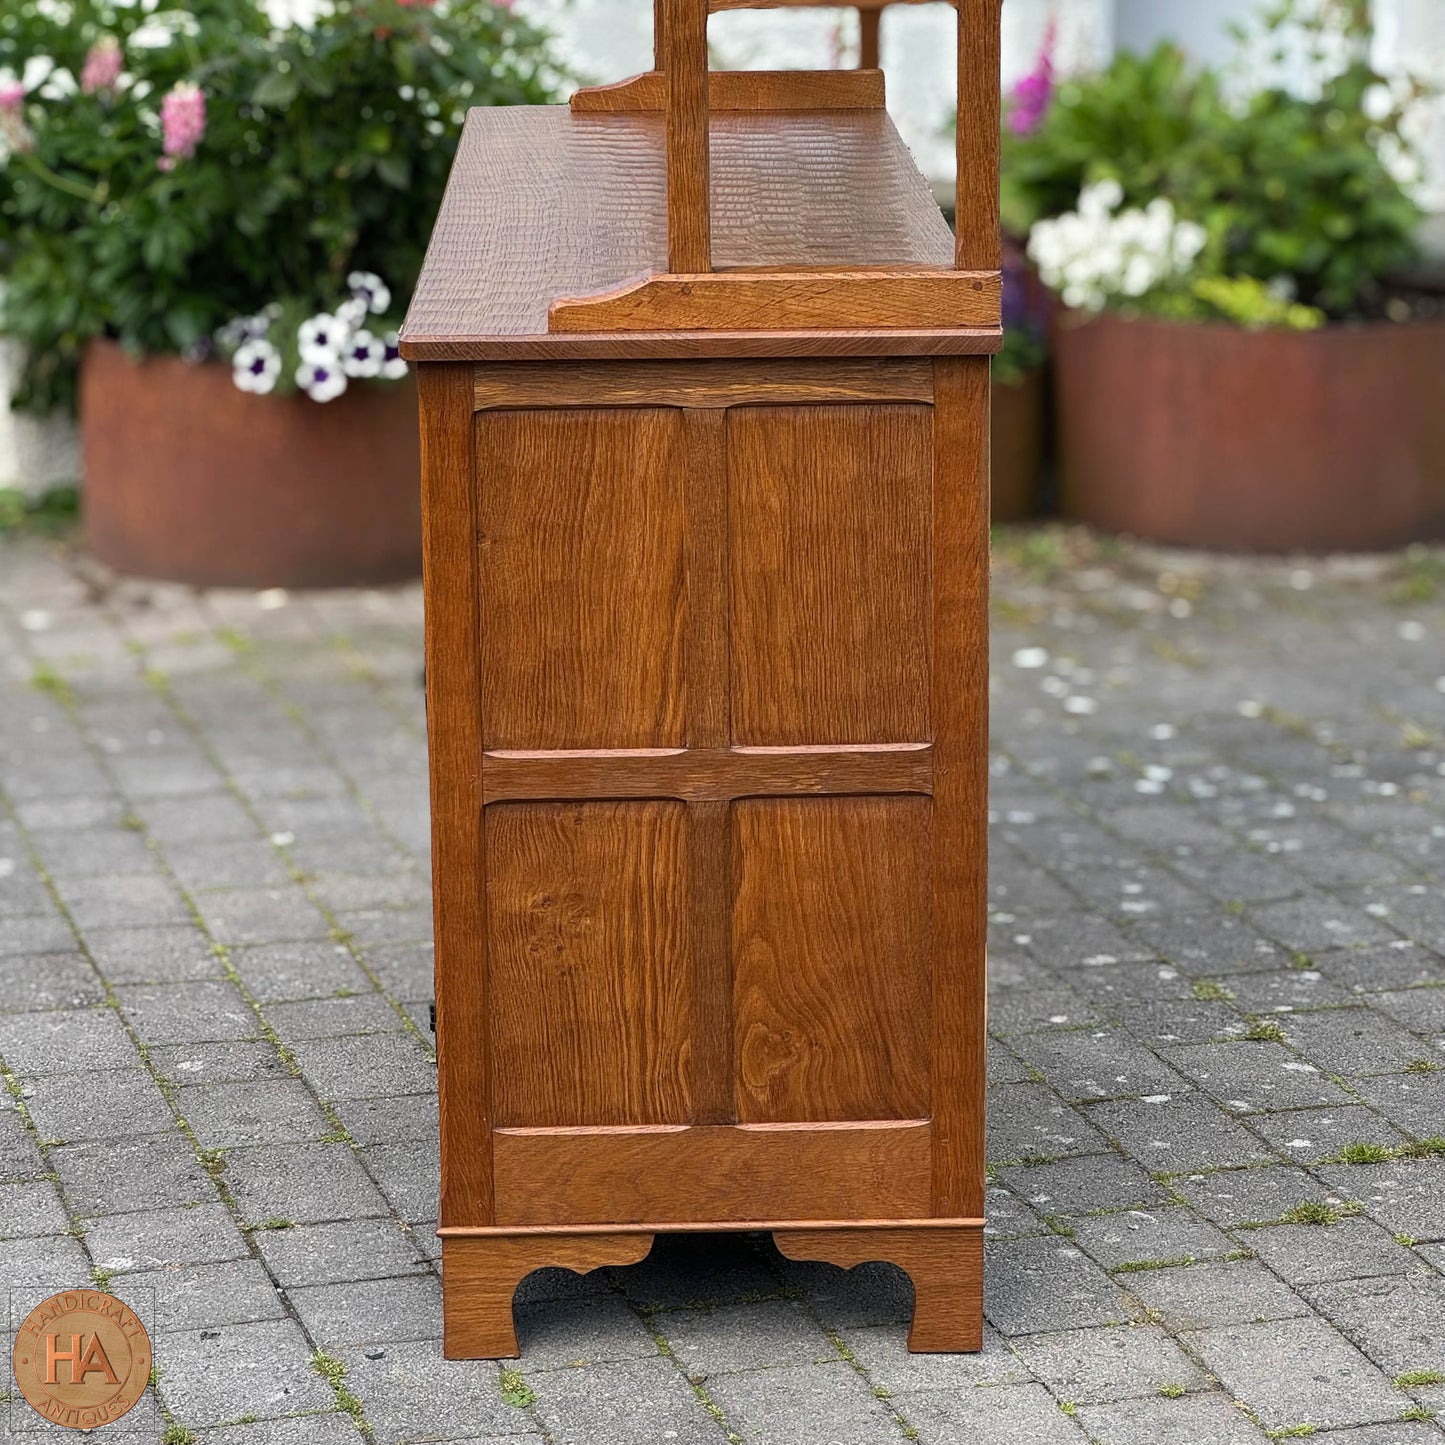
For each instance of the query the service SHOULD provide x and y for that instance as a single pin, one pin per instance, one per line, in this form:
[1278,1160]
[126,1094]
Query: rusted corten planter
[191,480]
[1211,436]
[1017,446]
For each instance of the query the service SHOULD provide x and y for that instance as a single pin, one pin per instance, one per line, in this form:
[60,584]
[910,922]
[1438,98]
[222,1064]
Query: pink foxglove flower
[1031,96]
[102,67]
[12,96]
[183,123]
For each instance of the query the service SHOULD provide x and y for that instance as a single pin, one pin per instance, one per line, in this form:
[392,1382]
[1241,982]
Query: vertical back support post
[684,44]
[978,246]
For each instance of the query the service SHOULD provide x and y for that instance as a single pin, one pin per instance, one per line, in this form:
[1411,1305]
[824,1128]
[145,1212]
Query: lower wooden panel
[718,1173]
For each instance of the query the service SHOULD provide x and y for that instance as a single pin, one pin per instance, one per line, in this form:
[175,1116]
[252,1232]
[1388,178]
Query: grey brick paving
[1218,945]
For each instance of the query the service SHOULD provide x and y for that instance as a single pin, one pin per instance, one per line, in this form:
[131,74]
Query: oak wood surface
[453,683]
[711,1172]
[582,565]
[753,301]
[689,213]
[589,963]
[960,731]
[829,521]
[830,958]
[833,189]
[708,774]
[698,386]
[978,244]
[480,1274]
[767,90]
[946,1266]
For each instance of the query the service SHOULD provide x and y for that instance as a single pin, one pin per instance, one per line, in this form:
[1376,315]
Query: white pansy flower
[256,366]
[369,287]
[352,311]
[322,380]
[321,337]
[364,354]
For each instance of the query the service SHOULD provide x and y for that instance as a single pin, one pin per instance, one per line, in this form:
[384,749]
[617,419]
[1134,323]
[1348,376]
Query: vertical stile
[978,247]
[689,230]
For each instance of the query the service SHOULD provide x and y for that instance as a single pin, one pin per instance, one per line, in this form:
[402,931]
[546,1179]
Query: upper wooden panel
[544,203]
[582,578]
[829,536]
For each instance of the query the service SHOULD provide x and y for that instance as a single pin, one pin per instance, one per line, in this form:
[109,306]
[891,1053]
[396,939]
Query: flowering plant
[1295,165]
[164,172]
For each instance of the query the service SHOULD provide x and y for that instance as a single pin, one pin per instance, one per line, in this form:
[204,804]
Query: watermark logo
[82,1358]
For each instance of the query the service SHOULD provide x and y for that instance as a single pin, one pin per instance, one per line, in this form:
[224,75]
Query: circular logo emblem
[82,1358]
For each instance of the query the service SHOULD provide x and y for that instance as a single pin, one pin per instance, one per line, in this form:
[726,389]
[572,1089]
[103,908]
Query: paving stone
[1199,1296]
[334,1429]
[47,982]
[315,1254]
[278,1111]
[1190,1420]
[1002,1416]
[1401,1432]
[1255,1075]
[1008,1216]
[143,899]
[1177,1133]
[1395,1321]
[305,1183]
[204,1296]
[46,1262]
[1393,966]
[262,915]
[800,1405]
[1161,1022]
[1134,1236]
[1352,1041]
[1096,1366]
[120,1176]
[229,863]
[1419,1009]
[1208,944]
[1032,1286]
[165,1239]
[262,1369]
[1406,1196]
[362,1013]
[566,1333]
[1097,1064]
[390,1118]
[111,1105]
[1074,1186]
[19,1154]
[1029,1120]
[744,1337]
[688,1269]
[882,1351]
[363,1067]
[650,1400]
[1299,1372]
[1286,990]
[1017,1011]
[280,972]
[1237,1196]
[1310,1254]
[1413,1102]
[166,954]
[359,1312]
[1318,922]
[405,970]
[71,1042]
[218,1063]
[1313,1135]
[32,1208]
[188,1012]
[409,1175]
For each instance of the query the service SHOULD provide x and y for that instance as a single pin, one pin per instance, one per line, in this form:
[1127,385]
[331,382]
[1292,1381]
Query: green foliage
[53,512]
[1299,193]
[1024,350]
[325,150]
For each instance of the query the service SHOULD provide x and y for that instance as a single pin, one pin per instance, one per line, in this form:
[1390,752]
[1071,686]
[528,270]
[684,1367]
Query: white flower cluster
[1099,254]
[333,347]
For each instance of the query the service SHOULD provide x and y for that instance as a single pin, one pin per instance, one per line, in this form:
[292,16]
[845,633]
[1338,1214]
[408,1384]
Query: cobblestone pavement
[1217,1196]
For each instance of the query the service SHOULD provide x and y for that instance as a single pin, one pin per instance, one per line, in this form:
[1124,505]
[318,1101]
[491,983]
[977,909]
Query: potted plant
[1234,366]
[209,226]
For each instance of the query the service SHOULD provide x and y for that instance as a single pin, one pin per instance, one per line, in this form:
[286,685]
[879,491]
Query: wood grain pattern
[869,37]
[719,1173]
[832,189]
[946,1266]
[708,774]
[590,968]
[453,683]
[829,523]
[689,205]
[699,386]
[960,731]
[831,958]
[861,5]
[787,301]
[480,1274]
[978,244]
[768,90]
[582,578]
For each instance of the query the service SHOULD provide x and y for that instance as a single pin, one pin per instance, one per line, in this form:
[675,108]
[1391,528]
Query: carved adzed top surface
[544,203]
